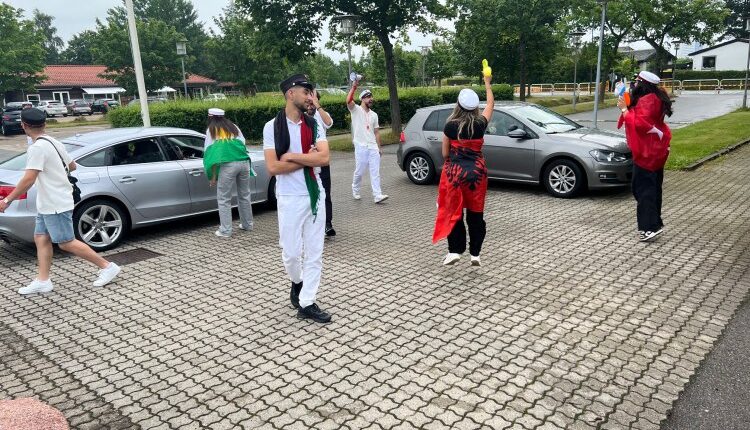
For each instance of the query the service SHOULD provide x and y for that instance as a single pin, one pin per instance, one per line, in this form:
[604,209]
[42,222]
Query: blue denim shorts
[59,227]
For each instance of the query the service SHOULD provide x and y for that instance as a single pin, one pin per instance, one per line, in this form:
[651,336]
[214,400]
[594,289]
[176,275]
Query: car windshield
[18,162]
[79,103]
[10,107]
[550,121]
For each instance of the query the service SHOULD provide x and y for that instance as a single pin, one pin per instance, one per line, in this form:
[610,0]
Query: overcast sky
[74,16]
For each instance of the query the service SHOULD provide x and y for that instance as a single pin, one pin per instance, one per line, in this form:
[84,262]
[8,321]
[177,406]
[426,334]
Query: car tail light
[6,117]
[6,190]
[402,138]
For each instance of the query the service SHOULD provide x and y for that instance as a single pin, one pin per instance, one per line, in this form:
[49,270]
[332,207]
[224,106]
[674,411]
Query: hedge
[251,113]
[707,74]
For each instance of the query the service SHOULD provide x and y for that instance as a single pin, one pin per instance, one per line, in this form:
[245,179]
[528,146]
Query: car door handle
[127,180]
[195,172]
[432,139]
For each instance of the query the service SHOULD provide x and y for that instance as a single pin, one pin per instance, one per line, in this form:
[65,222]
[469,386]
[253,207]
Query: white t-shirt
[363,135]
[54,194]
[292,184]
[319,118]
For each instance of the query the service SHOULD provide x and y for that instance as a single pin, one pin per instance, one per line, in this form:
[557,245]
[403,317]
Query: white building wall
[728,57]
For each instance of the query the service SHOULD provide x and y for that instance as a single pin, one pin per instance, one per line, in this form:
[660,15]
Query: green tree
[52,43]
[157,40]
[440,62]
[379,20]
[735,20]
[21,51]
[79,49]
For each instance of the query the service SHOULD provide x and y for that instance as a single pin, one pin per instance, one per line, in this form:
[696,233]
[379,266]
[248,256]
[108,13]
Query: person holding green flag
[227,163]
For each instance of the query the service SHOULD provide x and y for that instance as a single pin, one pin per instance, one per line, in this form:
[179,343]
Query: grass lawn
[76,123]
[583,107]
[694,142]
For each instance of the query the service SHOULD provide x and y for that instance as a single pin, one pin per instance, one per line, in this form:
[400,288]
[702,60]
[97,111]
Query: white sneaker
[218,233]
[107,274]
[37,286]
[356,196]
[475,261]
[381,198]
[242,227]
[451,258]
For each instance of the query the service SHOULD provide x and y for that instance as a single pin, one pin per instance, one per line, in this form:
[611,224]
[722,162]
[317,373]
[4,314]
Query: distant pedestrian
[463,181]
[47,167]
[324,120]
[367,145]
[648,138]
[295,147]
[227,164]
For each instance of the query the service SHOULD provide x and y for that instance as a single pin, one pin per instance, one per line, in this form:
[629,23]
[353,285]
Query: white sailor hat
[649,77]
[215,112]
[365,94]
[468,99]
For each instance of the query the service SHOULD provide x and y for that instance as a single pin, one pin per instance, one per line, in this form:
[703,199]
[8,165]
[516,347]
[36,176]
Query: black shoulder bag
[73,180]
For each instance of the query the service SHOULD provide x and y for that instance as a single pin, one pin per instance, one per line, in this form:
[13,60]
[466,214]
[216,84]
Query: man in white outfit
[324,120]
[295,148]
[366,140]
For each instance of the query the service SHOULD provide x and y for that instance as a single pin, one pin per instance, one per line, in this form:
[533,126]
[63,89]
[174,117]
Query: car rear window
[18,162]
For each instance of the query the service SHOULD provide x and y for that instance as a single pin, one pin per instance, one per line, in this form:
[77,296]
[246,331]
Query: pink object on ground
[30,414]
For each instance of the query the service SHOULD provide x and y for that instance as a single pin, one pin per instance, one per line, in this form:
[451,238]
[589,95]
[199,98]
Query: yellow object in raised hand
[486,69]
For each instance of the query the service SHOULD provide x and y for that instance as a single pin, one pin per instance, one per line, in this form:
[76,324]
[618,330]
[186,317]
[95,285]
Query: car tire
[65,115]
[420,169]
[86,218]
[563,178]
[271,196]
[3,130]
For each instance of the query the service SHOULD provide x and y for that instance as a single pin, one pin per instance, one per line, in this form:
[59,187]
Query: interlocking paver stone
[571,323]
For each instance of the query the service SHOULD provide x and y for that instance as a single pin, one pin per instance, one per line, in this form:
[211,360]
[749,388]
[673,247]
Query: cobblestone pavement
[571,323]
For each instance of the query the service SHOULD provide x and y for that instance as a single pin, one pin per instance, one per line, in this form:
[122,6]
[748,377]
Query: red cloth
[463,185]
[649,152]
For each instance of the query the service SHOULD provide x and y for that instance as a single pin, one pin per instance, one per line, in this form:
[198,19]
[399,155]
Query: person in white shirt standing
[47,167]
[324,120]
[295,147]
[366,140]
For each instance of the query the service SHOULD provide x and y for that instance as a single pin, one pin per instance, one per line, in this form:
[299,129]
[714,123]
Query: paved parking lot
[571,323]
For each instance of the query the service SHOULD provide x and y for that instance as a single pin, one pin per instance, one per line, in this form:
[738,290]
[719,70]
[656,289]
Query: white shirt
[319,118]
[208,141]
[291,184]
[54,194]
[363,135]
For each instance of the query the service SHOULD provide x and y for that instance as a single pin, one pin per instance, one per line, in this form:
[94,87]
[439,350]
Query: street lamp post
[599,60]
[674,64]
[425,50]
[576,35]
[347,27]
[182,52]
[747,66]
[137,64]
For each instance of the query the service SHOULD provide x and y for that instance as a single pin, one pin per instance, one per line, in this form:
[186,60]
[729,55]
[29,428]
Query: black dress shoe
[294,294]
[314,313]
[330,232]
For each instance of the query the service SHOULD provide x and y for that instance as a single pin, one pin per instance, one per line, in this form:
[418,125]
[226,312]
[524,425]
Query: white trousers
[301,237]
[366,158]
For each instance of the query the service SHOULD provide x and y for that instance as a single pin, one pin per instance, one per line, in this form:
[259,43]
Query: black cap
[33,117]
[296,80]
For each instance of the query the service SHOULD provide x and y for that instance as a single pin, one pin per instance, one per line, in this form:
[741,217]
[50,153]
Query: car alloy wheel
[100,224]
[419,169]
[563,178]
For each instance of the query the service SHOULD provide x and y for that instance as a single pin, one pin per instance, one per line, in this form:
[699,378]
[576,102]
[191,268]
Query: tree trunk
[390,73]
[522,63]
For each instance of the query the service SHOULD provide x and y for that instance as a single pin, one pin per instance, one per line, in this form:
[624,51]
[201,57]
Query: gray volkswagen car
[129,178]
[524,143]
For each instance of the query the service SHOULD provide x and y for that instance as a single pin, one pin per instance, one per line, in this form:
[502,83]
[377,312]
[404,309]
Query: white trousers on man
[301,237]
[366,158]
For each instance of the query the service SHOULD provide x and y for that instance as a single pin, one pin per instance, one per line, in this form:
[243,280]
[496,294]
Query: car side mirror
[518,134]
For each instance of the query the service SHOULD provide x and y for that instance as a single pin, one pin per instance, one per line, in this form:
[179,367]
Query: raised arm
[487,113]
[350,96]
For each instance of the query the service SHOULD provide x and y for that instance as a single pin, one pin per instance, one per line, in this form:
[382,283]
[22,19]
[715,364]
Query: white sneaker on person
[451,258]
[381,198]
[356,196]
[107,274]
[651,235]
[475,261]
[242,227]
[218,233]
[36,286]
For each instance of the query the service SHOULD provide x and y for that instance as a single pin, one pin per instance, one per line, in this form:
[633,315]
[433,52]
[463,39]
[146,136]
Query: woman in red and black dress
[463,182]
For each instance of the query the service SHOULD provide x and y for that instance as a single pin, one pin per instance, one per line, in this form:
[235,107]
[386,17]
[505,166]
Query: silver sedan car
[129,178]
[524,143]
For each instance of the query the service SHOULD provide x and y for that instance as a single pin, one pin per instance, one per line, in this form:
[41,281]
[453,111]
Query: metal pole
[599,63]
[423,63]
[137,63]
[747,68]
[184,77]
[349,43]
[575,87]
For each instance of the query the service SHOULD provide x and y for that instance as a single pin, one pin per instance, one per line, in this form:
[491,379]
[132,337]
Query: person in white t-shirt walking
[366,140]
[47,167]
[326,122]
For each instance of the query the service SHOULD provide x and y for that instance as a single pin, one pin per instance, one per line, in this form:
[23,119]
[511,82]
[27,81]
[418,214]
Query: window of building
[709,63]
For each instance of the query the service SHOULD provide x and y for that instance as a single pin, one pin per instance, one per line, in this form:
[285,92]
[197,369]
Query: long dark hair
[220,123]
[644,88]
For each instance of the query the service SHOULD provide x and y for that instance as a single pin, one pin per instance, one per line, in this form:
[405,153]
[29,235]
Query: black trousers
[477,231]
[325,177]
[647,190]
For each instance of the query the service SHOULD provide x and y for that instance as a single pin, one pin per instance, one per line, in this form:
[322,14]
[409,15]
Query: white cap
[365,93]
[468,99]
[215,112]
[649,77]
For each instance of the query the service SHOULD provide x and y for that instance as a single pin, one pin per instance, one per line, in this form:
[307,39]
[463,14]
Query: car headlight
[608,156]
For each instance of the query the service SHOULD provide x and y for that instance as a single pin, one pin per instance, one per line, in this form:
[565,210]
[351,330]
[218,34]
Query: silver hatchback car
[129,178]
[524,143]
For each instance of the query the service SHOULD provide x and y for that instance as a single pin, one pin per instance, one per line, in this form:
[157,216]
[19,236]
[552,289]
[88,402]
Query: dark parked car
[104,105]
[78,107]
[11,120]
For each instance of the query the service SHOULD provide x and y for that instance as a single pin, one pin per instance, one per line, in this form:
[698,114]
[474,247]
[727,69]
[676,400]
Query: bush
[251,113]
[707,74]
